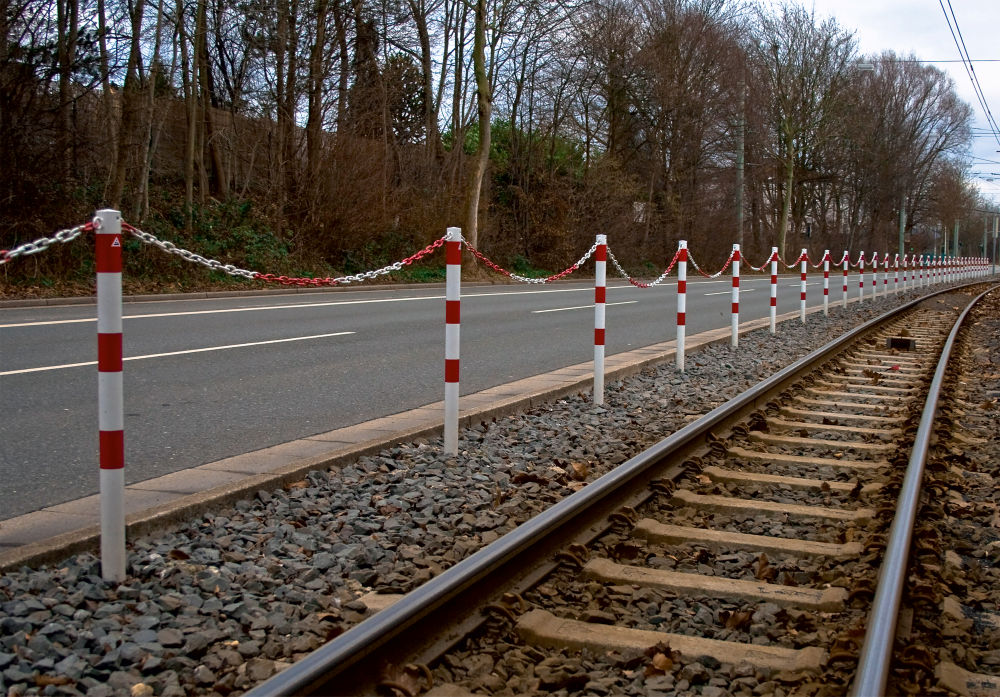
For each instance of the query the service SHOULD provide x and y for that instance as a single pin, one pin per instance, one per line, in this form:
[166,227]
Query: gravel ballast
[221,603]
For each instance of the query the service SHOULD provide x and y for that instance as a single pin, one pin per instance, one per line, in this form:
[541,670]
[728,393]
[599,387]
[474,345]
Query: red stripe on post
[453,253]
[600,293]
[598,337]
[601,253]
[682,286]
[109,253]
[774,302]
[736,281]
[451,369]
[803,296]
[112,444]
[736,308]
[452,311]
[680,319]
[109,353]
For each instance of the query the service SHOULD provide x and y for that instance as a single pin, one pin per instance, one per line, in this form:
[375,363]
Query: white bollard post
[895,275]
[774,289]
[826,283]
[735,319]
[861,277]
[847,261]
[600,300]
[682,269]
[885,274]
[453,320]
[802,305]
[874,275]
[110,398]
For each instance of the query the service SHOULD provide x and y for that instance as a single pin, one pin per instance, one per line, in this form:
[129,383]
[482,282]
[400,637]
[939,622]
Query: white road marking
[581,307]
[729,292]
[175,353]
[334,303]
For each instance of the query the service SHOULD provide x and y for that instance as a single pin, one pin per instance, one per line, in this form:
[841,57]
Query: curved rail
[349,659]
[876,652]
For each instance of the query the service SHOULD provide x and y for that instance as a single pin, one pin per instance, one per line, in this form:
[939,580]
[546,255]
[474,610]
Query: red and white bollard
[453,320]
[735,318]
[885,274]
[920,271]
[846,260]
[682,272]
[805,264]
[874,275]
[600,300]
[826,283]
[861,277]
[110,399]
[905,257]
[774,289]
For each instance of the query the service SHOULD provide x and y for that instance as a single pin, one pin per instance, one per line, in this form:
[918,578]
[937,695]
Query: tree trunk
[141,203]
[219,179]
[68,16]
[484,104]
[190,112]
[786,201]
[130,108]
[317,75]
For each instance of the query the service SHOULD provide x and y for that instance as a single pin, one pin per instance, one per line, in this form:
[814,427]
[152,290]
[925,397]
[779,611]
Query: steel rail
[346,661]
[876,652]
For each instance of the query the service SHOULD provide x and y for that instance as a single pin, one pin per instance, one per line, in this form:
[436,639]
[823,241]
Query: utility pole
[954,246]
[902,227]
[740,156]
[996,226]
[986,232]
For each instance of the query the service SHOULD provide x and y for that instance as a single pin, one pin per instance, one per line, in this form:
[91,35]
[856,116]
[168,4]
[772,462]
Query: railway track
[739,556]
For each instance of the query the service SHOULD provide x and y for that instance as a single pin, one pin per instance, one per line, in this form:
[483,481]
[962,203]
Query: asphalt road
[208,379]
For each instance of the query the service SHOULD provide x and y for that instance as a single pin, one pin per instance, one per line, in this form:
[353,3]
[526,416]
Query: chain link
[640,284]
[794,263]
[819,264]
[43,243]
[525,279]
[774,255]
[232,270]
[717,273]
[186,255]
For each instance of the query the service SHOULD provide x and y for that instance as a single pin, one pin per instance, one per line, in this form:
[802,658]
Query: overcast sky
[919,27]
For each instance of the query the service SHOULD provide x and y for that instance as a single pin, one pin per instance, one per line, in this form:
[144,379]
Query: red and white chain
[717,273]
[43,243]
[640,284]
[525,279]
[232,270]
[794,263]
[762,266]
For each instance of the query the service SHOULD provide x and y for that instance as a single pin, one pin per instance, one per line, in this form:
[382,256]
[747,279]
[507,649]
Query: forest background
[317,137]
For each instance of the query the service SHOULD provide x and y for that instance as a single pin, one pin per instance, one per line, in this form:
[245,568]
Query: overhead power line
[956,35]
